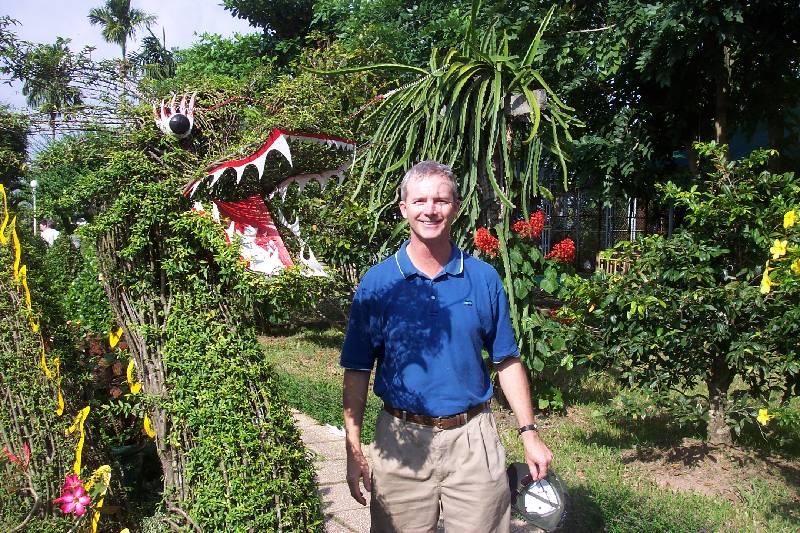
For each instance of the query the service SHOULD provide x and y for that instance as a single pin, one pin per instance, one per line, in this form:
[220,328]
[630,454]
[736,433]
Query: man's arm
[514,382]
[354,398]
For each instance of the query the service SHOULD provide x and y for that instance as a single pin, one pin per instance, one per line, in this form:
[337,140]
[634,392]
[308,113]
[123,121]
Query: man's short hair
[429,169]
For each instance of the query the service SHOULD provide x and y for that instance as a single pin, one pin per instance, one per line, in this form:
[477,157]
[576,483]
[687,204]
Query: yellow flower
[796,266]
[136,387]
[789,218]
[114,337]
[148,427]
[778,248]
[766,283]
[764,416]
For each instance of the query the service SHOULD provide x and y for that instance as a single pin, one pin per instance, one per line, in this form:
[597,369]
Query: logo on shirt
[467,302]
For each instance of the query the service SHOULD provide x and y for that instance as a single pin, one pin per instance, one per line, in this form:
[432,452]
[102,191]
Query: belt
[441,422]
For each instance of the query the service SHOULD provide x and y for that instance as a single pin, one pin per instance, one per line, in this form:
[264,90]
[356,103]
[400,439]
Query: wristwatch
[529,427]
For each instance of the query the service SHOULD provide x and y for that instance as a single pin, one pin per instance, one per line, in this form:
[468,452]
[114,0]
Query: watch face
[540,503]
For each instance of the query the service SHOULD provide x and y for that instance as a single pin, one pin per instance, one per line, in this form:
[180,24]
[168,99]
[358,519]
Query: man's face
[429,208]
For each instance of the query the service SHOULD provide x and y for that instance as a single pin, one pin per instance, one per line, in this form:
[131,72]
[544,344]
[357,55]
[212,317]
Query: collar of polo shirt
[454,266]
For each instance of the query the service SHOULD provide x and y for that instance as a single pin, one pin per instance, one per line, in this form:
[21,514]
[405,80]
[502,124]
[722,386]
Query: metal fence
[595,223]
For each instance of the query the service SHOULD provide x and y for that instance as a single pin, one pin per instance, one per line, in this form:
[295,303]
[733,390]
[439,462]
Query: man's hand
[537,455]
[354,398]
[357,470]
[514,381]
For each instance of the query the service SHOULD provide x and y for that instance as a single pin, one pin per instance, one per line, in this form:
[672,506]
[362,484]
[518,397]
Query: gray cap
[540,503]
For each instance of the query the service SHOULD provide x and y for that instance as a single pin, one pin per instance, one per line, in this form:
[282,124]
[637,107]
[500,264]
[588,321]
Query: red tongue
[253,212]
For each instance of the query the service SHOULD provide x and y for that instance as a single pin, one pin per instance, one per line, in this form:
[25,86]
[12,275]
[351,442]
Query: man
[425,314]
[48,231]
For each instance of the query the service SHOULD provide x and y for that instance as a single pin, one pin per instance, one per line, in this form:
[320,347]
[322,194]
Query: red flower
[521,228]
[486,242]
[563,251]
[536,224]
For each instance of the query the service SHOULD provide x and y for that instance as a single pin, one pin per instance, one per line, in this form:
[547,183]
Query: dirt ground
[692,466]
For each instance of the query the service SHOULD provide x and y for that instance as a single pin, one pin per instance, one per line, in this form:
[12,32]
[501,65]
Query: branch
[36,503]
[690,396]
[185,515]
[593,29]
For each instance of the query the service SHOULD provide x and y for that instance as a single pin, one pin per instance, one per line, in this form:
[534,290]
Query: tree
[690,310]
[652,78]
[119,21]
[284,19]
[13,147]
[154,58]
[47,74]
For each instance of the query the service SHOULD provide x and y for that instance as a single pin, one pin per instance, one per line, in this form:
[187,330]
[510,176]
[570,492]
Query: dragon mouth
[261,244]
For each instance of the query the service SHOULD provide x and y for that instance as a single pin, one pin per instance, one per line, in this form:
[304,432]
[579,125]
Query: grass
[307,363]
[606,493]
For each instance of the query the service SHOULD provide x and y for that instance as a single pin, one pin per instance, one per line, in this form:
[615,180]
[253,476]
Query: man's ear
[402,206]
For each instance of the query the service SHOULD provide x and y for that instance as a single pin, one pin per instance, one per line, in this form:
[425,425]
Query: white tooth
[239,173]
[172,105]
[183,105]
[281,146]
[216,175]
[194,188]
[214,212]
[259,163]
[190,111]
[314,266]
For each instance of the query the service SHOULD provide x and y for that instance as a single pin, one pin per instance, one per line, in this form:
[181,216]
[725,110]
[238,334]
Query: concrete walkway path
[342,513]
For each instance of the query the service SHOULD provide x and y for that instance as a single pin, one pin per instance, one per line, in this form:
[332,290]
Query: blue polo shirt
[427,334]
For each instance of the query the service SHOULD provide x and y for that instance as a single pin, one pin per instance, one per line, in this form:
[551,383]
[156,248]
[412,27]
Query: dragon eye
[179,124]
[176,120]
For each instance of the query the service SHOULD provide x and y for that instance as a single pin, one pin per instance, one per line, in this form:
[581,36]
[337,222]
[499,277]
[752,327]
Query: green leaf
[549,285]
[543,404]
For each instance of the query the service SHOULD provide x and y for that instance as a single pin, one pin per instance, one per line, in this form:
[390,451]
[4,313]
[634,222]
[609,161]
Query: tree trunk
[718,382]
[721,102]
[135,317]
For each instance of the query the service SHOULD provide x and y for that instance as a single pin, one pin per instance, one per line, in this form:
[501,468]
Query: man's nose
[431,207]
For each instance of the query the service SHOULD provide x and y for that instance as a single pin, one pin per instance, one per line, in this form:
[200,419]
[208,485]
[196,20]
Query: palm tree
[46,83]
[119,21]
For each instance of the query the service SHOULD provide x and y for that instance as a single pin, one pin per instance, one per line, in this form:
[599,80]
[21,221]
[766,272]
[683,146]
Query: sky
[40,21]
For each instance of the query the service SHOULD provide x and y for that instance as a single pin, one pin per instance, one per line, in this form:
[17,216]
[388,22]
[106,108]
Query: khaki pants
[418,470]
